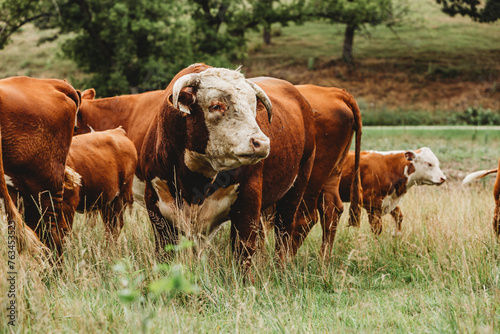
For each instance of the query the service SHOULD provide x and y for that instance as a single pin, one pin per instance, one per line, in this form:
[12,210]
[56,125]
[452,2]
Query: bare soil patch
[401,83]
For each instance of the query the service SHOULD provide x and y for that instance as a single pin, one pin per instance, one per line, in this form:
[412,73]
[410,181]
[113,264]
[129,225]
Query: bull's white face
[427,169]
[229,104]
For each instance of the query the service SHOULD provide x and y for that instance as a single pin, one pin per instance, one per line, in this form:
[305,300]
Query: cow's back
[37,118]
[106,161]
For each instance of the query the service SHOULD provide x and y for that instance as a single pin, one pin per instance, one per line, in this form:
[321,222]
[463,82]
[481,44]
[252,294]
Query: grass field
[441,275]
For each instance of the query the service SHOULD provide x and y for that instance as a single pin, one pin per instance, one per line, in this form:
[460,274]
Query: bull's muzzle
[261,147]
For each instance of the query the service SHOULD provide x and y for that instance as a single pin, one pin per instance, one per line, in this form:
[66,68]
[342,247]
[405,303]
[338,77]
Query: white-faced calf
[385,179]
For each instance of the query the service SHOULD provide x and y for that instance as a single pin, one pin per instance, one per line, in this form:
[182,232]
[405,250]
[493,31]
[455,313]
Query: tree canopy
[16,13]
[481,11]
[355,14]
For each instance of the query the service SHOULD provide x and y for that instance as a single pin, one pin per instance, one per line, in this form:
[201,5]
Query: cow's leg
[164,231]
[112,216]
[496,220]
[291,226]
[375,219]
[43,204]
[245,221]
[496,196]
[398,219]
[113,213]
[43,213]
[496,215]
[70,204]
[331,209]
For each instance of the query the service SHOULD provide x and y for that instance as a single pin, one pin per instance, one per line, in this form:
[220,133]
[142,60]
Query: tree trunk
[266,33]
[348,41]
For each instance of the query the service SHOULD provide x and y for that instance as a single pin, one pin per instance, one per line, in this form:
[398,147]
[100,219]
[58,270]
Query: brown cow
[132,112]
[202,157]
[37,117]
[496,193]
[337,117]
[105,162]
[18,234]
[385,179]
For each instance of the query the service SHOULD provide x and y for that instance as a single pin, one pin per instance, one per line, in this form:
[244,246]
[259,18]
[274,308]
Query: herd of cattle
[213,146]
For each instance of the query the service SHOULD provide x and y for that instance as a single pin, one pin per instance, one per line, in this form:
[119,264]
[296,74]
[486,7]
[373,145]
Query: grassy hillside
[431,62]
[441,275]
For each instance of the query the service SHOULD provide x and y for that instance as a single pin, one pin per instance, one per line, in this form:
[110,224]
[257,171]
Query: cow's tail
[26,239]
[478,175]
[356,190]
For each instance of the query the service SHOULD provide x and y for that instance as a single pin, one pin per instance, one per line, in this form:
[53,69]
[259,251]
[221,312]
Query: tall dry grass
[441,275]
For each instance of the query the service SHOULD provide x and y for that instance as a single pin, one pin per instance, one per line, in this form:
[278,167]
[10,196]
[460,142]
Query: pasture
[441,275]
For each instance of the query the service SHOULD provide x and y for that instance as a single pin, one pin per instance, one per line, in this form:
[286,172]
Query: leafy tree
[357,14]
[266,12]
[226,22]
[212,33]
[481,11]
[126,45]
[16,13]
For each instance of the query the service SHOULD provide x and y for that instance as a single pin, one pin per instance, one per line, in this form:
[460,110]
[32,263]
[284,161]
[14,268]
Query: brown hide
[266,183]
[37,117]
[381,175]
[132,112]
[337,117]
[18,234]
[496,194]
[106,162]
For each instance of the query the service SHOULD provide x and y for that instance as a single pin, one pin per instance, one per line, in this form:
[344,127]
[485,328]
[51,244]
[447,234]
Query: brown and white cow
[37,118]
[337,117]
[496,193]
[105,162]
[385,179]
[211,154]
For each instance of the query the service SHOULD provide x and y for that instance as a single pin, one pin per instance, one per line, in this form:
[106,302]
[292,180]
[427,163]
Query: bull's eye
[215,107]
[429,164]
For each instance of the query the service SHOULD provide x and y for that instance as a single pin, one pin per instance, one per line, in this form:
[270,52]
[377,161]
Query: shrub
[475,116]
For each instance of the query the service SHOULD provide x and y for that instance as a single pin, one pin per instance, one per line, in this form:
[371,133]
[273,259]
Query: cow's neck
[194,177]
[109,113]
[410,175]
[404,181]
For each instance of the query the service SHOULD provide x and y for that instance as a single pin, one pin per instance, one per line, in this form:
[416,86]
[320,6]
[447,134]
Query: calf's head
[426,166]
[222,131]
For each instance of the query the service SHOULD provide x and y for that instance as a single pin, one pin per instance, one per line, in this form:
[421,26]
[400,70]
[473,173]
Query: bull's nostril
[255,143]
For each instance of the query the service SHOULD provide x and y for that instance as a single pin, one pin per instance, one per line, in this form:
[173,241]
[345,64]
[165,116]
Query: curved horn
[262,96]
[187,80]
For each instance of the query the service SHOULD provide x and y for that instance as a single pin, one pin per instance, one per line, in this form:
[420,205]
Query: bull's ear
[88,94]
[410,155]
[186,99]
